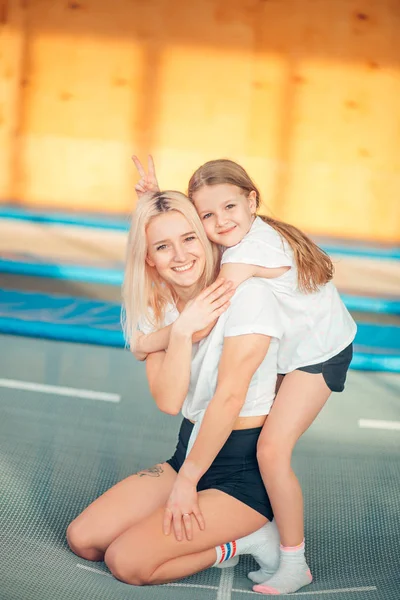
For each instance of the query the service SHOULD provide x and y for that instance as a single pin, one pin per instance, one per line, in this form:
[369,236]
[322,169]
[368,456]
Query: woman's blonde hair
[145,296]
[314,266]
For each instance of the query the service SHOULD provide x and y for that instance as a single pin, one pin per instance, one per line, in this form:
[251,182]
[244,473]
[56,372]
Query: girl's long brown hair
[314,267]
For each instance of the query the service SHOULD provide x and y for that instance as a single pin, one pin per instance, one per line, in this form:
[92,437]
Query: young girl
[315,350]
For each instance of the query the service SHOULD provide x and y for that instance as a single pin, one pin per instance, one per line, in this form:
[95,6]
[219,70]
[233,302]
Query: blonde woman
[315,350]
[169,272]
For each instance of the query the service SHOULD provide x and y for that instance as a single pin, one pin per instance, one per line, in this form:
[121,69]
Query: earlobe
[252,198]
[150,262]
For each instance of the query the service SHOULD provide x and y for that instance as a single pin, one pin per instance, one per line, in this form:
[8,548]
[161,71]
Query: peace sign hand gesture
[147,182]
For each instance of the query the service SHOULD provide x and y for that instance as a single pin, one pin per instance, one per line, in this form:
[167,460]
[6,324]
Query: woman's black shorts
[235,469]
[333,370]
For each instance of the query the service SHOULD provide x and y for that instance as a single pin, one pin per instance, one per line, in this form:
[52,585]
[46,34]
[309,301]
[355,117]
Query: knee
[273,454]
[80,541]
[76,537]
[126,567]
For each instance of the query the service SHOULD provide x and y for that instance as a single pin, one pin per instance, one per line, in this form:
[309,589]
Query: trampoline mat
[59,454]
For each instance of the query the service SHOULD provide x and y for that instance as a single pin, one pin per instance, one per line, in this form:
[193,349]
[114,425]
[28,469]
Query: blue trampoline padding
[368,362]
[362,252]
[60,317]
[97,221]
[34,266]
[371,304]
[121,223]
[377,347]
[71,272]
[378,339]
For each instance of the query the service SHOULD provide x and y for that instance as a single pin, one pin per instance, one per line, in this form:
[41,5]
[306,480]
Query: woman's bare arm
[241,357]
[168,373]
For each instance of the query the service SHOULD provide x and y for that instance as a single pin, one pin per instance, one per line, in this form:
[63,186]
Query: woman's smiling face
[174,250]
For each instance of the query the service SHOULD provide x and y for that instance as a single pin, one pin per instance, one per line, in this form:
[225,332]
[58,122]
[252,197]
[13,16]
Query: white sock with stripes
[263,544]
[226,555]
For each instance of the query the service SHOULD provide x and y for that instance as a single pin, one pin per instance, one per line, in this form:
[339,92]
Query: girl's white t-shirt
[253,309]
[317,325]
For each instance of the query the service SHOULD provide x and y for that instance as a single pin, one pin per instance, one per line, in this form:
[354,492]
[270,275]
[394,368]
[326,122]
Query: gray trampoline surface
[58,453]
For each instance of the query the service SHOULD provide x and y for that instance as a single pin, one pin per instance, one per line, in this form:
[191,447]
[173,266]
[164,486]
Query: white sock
[293,573]
[263,544]
[226,555]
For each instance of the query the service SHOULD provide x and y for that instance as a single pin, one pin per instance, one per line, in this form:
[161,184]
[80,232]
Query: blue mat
[60,317]
[377,347]
[112,274]
[35,266]
[336,247]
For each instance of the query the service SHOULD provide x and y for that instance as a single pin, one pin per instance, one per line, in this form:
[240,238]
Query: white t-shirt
[317,326]
[253,309]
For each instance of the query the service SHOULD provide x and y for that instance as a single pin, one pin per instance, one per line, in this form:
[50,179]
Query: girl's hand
[181,508]
[148,181]
[203,311]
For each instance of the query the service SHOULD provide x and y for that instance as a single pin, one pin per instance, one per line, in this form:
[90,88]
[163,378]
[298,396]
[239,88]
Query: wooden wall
[304,93]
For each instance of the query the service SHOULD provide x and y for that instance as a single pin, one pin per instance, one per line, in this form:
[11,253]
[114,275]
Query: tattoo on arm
[155,471]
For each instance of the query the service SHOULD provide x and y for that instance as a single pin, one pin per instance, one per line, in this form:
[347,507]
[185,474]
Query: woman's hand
[148,181]
[203,311]
[181,508]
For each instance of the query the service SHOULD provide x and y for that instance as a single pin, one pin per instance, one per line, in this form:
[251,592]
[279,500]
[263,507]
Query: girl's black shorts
[334,370]
[235,469]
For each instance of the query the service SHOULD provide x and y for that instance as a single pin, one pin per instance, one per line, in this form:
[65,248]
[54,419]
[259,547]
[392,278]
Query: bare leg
[300,398]
[123,505]
[144,555]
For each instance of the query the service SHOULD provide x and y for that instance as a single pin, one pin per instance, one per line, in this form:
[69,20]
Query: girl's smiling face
[226,213]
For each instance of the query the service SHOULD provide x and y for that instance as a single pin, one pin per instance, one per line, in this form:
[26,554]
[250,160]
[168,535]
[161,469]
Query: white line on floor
[93,570]
[371,588]
[372,424]
[29,386]
[228,578]
[225,584]
[191,585]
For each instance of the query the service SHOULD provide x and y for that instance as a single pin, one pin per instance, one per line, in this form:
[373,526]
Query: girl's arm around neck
[168,373]
[158,341]
[201,315]
[152,342]
[237,273]
[241,357]
[240,272]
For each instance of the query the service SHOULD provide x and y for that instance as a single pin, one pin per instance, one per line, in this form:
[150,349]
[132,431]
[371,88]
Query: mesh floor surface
[58,454]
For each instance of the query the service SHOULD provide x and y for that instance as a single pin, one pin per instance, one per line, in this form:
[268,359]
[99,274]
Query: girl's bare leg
[300,398]
[144,555]
[123,505]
